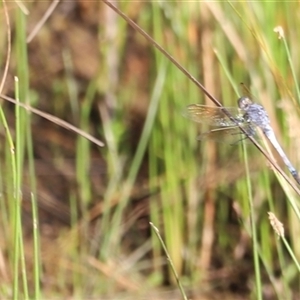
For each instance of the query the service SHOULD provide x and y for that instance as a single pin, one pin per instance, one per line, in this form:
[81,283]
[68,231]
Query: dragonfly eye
[244,102]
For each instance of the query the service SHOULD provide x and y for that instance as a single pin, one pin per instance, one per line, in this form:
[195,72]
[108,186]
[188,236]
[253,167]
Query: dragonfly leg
[250,132]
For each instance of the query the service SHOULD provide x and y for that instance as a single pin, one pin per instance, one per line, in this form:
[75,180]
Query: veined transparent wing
[223,129]
[229,135]
[212,115]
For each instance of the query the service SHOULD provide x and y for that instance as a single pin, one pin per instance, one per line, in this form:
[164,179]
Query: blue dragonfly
[248,115]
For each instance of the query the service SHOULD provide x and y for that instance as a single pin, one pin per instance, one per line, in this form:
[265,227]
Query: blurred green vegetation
[93,205]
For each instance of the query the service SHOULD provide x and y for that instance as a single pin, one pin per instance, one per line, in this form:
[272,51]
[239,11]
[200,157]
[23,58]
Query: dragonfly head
[244,103]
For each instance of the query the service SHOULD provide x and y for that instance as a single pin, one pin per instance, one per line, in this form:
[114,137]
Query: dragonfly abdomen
[269,133]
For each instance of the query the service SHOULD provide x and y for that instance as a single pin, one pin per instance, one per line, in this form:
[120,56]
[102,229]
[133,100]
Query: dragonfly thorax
[254,113]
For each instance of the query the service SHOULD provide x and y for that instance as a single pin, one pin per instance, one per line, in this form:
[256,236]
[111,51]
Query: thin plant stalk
[36,248]
[253,227]
[156,231]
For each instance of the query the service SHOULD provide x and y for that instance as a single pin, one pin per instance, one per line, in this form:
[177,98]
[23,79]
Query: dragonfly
[249,115]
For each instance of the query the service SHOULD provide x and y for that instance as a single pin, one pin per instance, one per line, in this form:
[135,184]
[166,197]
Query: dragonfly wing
[213,116]
[229,135]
